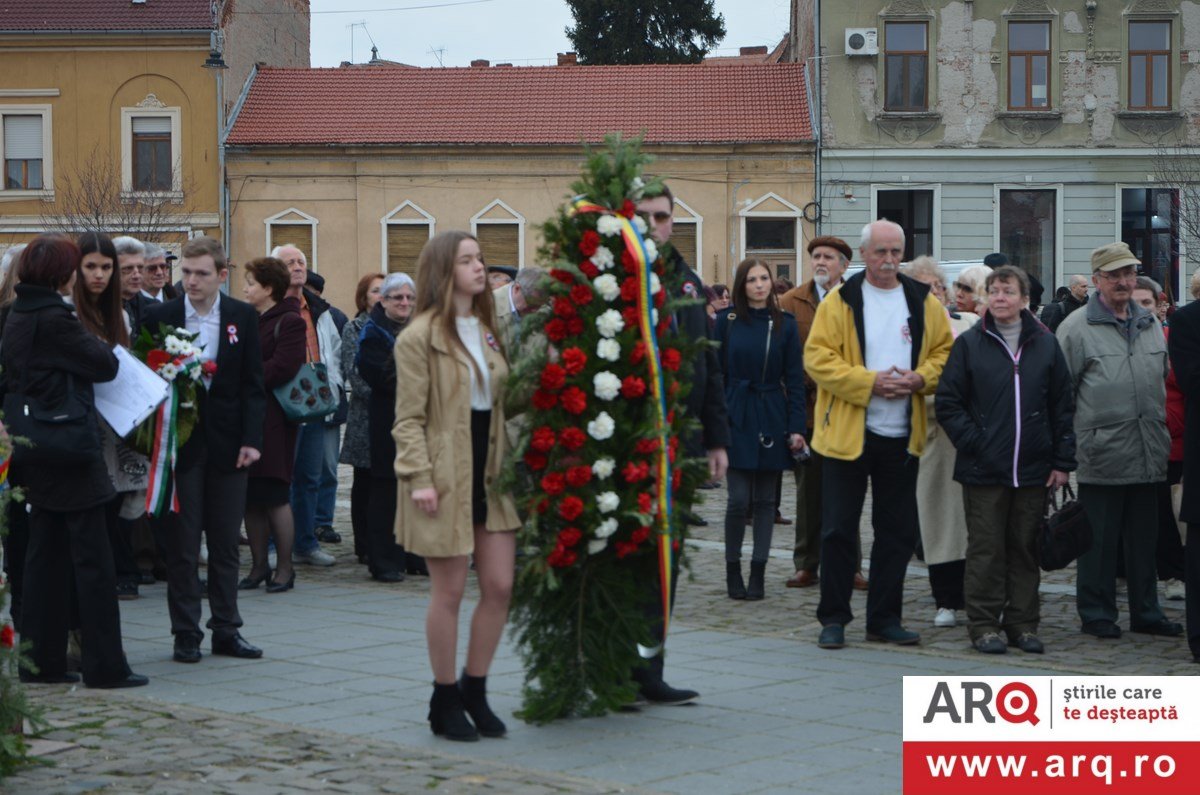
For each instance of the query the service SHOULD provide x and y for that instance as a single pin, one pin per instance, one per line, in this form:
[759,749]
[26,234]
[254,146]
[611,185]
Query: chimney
[567,59]
[502,64]
[760,50]
[481,62]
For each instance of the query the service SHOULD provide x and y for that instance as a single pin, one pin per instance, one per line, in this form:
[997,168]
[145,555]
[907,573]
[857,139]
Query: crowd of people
[955,403]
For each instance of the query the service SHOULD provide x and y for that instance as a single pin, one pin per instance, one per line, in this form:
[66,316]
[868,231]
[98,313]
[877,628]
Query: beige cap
[1113,256]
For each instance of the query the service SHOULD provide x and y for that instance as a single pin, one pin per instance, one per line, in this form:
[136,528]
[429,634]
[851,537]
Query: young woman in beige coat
[449,432]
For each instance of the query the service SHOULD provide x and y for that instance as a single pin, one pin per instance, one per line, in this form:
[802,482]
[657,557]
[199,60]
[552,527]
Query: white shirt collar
[189,311]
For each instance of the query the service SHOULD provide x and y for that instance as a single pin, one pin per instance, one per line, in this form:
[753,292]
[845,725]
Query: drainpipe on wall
[816,117]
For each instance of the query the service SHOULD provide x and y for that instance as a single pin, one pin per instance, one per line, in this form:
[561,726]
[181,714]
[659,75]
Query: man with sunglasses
[156,275]
[1118,360]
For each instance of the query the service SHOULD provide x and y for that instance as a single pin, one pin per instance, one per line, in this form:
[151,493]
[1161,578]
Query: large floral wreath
[598,377]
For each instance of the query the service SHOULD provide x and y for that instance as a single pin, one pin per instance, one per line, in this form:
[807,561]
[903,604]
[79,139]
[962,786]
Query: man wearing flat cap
[828,258]
[1118,360]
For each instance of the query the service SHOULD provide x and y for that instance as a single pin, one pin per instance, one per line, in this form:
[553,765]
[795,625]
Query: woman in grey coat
[356,445]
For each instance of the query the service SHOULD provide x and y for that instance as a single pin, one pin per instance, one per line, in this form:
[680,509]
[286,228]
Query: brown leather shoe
[860,582]
[802,579]
[781,519]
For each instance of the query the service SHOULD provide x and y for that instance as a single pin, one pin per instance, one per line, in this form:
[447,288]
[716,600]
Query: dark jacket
[232,409]
[43,342]
[283,337]
[376,364]
[1184,347]
[706,401]
[765,403]
[340,416]
[1057,311]
[1010,415]
[136,308]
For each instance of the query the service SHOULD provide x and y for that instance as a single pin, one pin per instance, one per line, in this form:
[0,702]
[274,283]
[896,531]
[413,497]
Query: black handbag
[1065,533]
[62,435]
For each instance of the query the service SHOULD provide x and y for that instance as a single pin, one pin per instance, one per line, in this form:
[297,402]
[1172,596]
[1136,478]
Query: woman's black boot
[446,715]
[474,699]
[733,580]
[758,572]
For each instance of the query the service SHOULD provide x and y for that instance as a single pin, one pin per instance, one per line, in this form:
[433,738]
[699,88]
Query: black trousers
[16,543]
[120,537]
[360,499]
[215,502]
[71,549]
[893,475]
[1191,557]
[946,583]
[384,554]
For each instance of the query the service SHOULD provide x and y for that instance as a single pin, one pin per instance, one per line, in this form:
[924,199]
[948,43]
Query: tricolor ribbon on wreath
[635,244]
[161,495]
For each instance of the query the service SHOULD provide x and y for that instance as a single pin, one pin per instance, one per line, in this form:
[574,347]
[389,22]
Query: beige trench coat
[433,441]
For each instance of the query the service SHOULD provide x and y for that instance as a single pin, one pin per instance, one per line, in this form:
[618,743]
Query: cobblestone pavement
[337,703]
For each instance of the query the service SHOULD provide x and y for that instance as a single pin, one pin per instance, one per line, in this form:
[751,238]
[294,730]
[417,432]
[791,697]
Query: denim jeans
[327,491]
[306,483]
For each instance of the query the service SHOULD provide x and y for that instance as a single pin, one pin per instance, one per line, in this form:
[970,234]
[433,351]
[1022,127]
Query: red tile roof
[109,15]
[525,105]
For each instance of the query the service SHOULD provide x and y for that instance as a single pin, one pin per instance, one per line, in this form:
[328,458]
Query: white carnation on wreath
[603,258]
[608,502]
[606,528]
[172,345]
[606,284]
[654,317]
[602,427]
[640,224]
[168,371]
[655,283]
[606,385]
[610,323]
[651,250]
[597,546]
[609,350]
[603,468]
[608,225]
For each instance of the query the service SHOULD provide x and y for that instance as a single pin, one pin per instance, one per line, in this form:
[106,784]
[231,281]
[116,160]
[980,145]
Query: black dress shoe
[236,646]
[659,692]
[252,581]
[133,680]
[388,576]
[48,679]
[694,520]
[1101,628]
[328,535]
[187,650]
[1168,629]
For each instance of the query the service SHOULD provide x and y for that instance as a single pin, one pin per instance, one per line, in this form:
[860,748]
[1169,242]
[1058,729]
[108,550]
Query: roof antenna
[362,24]
[437,52]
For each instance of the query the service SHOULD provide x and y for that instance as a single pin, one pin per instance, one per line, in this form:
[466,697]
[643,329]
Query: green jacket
[1119,374]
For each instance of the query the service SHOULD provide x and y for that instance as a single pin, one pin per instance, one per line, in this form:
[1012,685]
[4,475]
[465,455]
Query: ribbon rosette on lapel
[231,330]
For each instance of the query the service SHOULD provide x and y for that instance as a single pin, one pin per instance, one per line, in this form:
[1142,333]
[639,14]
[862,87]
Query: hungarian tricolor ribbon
[160,491]
[635,244]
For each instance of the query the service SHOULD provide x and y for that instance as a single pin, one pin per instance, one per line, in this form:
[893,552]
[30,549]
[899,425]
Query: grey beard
[822,279]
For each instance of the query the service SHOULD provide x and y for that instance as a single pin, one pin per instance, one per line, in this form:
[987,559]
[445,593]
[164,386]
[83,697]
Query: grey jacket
[1119,373]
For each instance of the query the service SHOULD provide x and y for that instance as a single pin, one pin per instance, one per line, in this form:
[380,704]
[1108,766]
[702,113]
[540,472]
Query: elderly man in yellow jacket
[877,347]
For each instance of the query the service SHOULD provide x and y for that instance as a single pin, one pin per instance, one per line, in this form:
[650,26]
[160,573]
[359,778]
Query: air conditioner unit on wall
[862,41]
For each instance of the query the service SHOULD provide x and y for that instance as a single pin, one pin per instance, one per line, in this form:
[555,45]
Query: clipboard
[127,400]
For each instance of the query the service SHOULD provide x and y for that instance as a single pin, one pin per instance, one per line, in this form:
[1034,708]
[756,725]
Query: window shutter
[23,137]
[499,243]
[404,244]
[298,235]
[152,124]
[683,238]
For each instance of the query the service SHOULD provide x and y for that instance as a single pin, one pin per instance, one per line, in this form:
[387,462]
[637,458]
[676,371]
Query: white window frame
[698,221]
[936,187]
[1058,226]
[516,220]
[1181,292]
[46,192]
[794,213]
[152,111]
[425,220]
[281,219]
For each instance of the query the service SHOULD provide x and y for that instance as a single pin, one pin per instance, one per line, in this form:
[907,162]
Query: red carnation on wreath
[570,508]
[7,636]
[581,294]
[544,400]
[566,277]
[572,438]
[633,387]
[570,536]
[589,243]
[579,476]
[535,461]
[574,400]
[589,269]
[671,359]
[574,360]
[553,483]
[563,307]
[554,377]
[556,330]
[543,439]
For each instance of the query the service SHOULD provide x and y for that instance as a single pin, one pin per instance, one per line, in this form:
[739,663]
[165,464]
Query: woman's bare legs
[495,556]
[447,580]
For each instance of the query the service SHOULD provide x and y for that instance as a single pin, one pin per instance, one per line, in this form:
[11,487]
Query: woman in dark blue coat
[764,389]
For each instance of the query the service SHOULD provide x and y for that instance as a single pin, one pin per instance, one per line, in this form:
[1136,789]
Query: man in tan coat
[828,257]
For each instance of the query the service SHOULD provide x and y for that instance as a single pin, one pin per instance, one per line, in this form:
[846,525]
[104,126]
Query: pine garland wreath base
[585,468]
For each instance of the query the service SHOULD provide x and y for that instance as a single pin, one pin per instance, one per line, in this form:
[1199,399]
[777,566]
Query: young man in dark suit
[211,469]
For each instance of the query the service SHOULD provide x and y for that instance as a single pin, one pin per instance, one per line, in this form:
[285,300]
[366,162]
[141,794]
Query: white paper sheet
[132,396]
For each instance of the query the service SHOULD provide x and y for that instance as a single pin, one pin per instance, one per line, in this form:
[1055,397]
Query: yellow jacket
[833,357]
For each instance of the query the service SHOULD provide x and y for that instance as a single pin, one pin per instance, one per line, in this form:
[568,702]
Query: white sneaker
[272,560]
[945,617]
[318,557]
[1175,590]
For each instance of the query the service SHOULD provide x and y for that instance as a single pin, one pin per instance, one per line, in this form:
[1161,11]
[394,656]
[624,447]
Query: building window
[772,240]
[1150,65]
[907,63]
[302,236]
[404,244]
[913,210]
[23,153]
[1028,222]
[1028,65]
[1150,225]
[151,148]
[683,239]
[500,243]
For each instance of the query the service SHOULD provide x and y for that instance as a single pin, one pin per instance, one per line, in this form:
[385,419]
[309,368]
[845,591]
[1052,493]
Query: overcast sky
[521,32]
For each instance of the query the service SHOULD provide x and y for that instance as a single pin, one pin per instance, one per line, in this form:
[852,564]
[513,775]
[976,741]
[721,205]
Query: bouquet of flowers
[599,391]
[173,355]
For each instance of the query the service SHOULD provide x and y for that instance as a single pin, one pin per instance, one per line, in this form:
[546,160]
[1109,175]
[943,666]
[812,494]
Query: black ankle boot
[446,716]
[733,580]
[758,572]
[474,699]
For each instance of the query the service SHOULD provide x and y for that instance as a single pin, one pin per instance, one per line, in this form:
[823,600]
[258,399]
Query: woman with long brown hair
[450,440]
